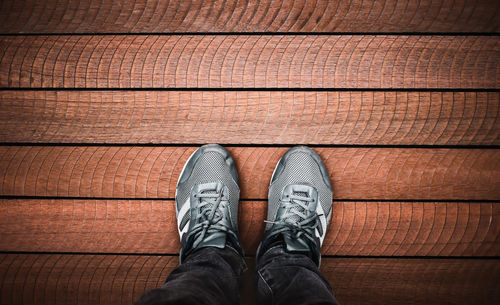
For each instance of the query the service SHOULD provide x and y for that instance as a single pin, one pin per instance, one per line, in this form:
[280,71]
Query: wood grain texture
[413,281]
[241,61]
[110,279]
[80,279]
[142,16]
[357,228]
[262,117]
[152,172]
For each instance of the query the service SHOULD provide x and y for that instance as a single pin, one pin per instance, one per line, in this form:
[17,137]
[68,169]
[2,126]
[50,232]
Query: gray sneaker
[206,199]
[300,204]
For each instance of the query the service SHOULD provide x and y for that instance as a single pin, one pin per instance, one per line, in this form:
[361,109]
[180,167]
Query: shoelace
[207,220]
[308,220]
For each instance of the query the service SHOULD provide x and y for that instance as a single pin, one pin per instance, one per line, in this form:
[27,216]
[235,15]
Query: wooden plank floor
[251,117]
[237,61]
[146,16]
[358,228]
[101,103]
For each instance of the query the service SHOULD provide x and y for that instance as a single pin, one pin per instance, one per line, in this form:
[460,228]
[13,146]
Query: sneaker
[299,204]
[206,200]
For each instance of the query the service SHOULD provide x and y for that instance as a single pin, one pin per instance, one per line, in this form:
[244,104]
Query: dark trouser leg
[207,276]
[287,278]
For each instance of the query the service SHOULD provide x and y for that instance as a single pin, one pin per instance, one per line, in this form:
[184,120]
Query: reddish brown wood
[446,118]
[110,279]
[80,279]
[142,16]
[152,172]
[242,61]
[357,228]
[413,281]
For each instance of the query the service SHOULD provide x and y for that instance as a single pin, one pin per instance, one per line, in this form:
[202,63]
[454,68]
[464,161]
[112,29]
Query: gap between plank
[13,197]
[250,145]
[246,256]
[259,34]
[241,89]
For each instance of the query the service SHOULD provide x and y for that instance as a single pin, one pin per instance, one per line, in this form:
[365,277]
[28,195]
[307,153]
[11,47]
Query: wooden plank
[152,172]
[255,61]
[80,279]
[262,117]
[413,281]
[110,279]
[143,16]
[357,228]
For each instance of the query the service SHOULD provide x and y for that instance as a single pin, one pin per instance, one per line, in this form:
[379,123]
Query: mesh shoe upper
[300,202]
[206,198]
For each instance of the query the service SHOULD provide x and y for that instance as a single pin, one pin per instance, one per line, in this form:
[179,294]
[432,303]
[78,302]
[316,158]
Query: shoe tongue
[296,244]
[216,239]
[298,208]
[301,194]
[210,205]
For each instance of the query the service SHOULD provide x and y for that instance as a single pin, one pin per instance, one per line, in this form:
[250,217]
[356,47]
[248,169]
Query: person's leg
[207,276]
[211,257]
[291,278]
[299,210]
